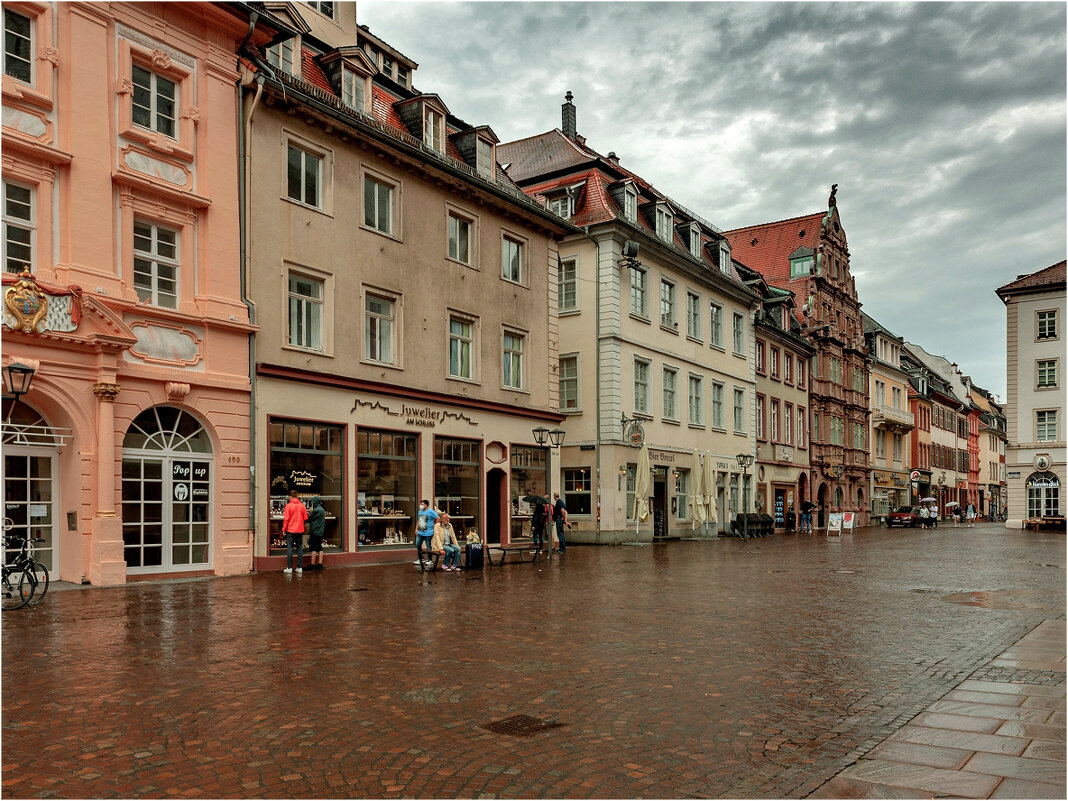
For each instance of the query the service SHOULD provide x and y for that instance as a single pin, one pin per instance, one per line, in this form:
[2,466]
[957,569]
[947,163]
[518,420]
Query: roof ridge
[819,214]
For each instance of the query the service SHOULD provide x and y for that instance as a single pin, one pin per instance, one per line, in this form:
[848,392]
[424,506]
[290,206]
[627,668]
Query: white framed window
[18,46]
[485,162]
[671,381]
[739,334]
[561,206]
[460,230]
[682,494]
[1046,373]
[567,276]
[801,266]
[880,444]
[324,8]
[718,410]
[774,428]
[739,410]
[155,101]
[667,304]
[305,311]
[858,436]
[387,66]
[724,258]
[155,264]
[461,347]
[693,315]
[281,56]
[434,130]
[353,89]
[897,447]
[641,386]
[787,423]
[304,176]
[800,426]
[760,405]
[512,257]
[1046,425]
[665,222]
[512,368]
[578,491]
[788,368]
[378,328]
[569,383]
[378,202]
[774,362]
[638,295]
[630,204]
[20,230]
[402,75]
[695,240]
[715,325]
[696,401]
[1046,324]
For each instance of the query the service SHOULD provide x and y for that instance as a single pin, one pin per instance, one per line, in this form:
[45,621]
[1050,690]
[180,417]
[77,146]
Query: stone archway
[821,506]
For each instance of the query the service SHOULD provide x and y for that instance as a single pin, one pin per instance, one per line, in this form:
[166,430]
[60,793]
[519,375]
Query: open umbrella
[952,504]
[697,497]
[928,500]
[641,488]
[535,499]
[710,490]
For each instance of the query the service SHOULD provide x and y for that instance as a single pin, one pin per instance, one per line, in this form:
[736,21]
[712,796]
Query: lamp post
[555,438]
[744,461]
[17,380]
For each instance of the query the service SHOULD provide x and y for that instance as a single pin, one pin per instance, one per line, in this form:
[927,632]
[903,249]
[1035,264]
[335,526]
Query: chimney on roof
[612,157]
[568,117]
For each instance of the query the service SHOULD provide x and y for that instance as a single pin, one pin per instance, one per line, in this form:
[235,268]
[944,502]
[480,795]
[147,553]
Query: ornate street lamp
[555,438]
[744,462]
[17,380]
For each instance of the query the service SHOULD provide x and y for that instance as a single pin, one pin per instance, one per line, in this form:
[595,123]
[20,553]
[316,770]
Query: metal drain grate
[521,726]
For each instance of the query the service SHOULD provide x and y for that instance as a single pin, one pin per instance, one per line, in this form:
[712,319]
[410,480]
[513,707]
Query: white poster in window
[38,510]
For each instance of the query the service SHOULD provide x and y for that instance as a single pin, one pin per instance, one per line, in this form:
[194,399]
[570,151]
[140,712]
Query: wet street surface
[758,669]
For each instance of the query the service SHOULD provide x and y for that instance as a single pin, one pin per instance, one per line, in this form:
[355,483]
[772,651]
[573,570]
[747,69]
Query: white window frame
[695,400]
[306,304]
[567,284]
[283,56]
[324,190]
[156,102]
[13,222]
[668,318]
[739,410]
[377,183]
[350,80]
[801,426]
[738,332]
[386,352]
[1046,423]
[641,386]
[665,224]
[512,361]
[761,405]
[693,315]
[670,393]
[433,129]
[1045,320]
[773,423]
[324,7]
[156,259]
[639,292]
[29,61]
[1046,373]
[485,160]
[570,397]
[719,411]
[715,325]
[453,253]
[561,206]
[460,341]
[509,242]
[695,240]
[630,204]
[724,258]
[788,423]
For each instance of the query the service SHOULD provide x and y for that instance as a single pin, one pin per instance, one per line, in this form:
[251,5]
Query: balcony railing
[893,419]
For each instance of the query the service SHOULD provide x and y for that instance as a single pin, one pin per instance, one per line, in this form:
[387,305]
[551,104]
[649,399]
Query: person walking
[426,519]
[806,516]
[293,518]
[537,526]
[560,519]
[445,542]
[971,515]
[925,516]
[316,529]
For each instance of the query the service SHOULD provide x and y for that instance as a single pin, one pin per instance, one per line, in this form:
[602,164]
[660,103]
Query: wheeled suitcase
[473,556]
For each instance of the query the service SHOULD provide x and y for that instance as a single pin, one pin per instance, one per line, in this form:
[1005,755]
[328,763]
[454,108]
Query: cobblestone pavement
[731,669]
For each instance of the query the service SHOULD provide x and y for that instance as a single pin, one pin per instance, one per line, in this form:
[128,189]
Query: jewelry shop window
[385,487]
[529,478]
[457,483]
[309,458]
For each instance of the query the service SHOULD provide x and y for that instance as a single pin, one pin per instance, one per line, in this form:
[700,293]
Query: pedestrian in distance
[806,516]
[316,530]
[934,515]
[925,516]
[537,525]
[971,515]
[445,542]
[560,519]
[956,516]
[426,519]
[294,517]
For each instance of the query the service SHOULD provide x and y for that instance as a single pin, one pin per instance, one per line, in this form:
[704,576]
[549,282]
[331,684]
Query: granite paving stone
[1039,770]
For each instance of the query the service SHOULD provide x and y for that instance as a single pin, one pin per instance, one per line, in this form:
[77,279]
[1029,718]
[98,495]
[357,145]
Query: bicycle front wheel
[18,587]
[40,573]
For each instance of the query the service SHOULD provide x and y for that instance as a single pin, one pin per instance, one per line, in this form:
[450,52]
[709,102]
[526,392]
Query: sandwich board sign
[834,524]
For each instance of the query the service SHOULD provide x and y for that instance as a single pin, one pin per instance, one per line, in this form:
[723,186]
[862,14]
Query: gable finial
[831,202]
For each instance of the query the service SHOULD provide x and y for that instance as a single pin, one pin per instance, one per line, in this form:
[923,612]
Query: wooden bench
[1049,521]
[504,550]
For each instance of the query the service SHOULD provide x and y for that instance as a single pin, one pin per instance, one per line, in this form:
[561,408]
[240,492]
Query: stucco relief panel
[163,344]
[32,123]
[145,164]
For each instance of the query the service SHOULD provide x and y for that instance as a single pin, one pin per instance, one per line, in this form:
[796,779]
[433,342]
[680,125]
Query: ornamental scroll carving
[49,54]
[161,60]
[105,391]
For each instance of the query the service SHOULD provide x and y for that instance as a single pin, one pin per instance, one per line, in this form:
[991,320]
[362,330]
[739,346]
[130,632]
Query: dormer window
[326,9]
[561,206]
[724,258]
[402,75]
[485,160]
[800,267]
[434,130]
[281,56]
[695,240]
[353,89]
[630,204]
[664,223]
[387,66]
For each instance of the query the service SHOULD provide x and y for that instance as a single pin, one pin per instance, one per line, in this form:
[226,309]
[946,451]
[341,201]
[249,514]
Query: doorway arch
[31,483]
[167,466]
[821,504]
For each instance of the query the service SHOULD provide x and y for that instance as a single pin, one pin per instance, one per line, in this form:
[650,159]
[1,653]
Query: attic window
[800,267]
[664,223]
[402,75]
[725,258]
[561,206]
[387,66]
[353,90]
[695,240]
[434,130]
[630,204]
[484,159]
[281,56]
[326,9]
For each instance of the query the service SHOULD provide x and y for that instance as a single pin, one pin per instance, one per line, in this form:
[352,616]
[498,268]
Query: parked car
[904,516]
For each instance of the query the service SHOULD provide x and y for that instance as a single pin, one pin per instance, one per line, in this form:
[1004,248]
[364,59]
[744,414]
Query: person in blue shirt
[424,531]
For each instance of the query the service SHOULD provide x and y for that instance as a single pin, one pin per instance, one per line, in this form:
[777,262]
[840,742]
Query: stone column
[106,562]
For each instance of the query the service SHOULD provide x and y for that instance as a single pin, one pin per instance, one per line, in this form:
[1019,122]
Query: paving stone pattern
[731,669]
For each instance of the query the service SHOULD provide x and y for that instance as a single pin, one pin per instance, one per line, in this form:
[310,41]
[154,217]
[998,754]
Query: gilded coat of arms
[26,303]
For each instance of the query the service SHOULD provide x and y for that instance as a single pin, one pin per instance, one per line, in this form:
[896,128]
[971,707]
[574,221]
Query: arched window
[163,428]
[1043,494]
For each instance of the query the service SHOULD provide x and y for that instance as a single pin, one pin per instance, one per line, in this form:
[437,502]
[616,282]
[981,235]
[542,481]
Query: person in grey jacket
[316,529]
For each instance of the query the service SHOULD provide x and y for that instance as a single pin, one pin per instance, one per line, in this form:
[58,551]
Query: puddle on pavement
[1046,600]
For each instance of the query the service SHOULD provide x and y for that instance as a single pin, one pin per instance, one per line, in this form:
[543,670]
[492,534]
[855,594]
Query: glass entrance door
[165,513]
[28,504]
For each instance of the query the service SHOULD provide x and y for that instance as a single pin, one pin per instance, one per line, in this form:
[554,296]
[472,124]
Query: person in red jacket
[293,519]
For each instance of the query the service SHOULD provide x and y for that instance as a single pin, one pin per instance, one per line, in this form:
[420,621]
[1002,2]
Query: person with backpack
[316,529]
[560,519]
[293,517]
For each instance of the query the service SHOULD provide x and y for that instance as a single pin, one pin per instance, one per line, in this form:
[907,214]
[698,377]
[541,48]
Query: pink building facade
[129,456]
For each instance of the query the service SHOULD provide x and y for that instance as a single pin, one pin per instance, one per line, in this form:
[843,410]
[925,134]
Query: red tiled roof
[312,72]
[1051,277]
[766,248]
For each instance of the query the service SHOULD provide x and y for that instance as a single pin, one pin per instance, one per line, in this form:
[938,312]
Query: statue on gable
[831,202]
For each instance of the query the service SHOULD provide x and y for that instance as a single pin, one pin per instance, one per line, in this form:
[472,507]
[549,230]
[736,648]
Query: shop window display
[309,458]
[457,482]
[385,487]
[529,477]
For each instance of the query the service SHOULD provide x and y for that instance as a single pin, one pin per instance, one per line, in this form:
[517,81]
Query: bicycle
[17,585]
[24,560]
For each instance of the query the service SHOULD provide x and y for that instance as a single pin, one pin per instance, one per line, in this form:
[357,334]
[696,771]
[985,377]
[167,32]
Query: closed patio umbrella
[641,488]
[710,490]
[697,490]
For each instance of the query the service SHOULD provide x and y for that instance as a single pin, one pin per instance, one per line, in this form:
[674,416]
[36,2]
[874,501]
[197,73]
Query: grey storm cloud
[944,125]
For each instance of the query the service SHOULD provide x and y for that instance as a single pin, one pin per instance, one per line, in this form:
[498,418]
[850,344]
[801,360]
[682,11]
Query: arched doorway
[1043,495]
[31,483]
[821,504]
[802,488]
[496,505]
[166,492]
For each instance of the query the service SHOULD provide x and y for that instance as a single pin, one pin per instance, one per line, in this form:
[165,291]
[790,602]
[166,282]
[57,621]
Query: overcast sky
[942,123]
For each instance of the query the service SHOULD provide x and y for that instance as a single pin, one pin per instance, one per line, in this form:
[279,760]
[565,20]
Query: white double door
[31,488]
